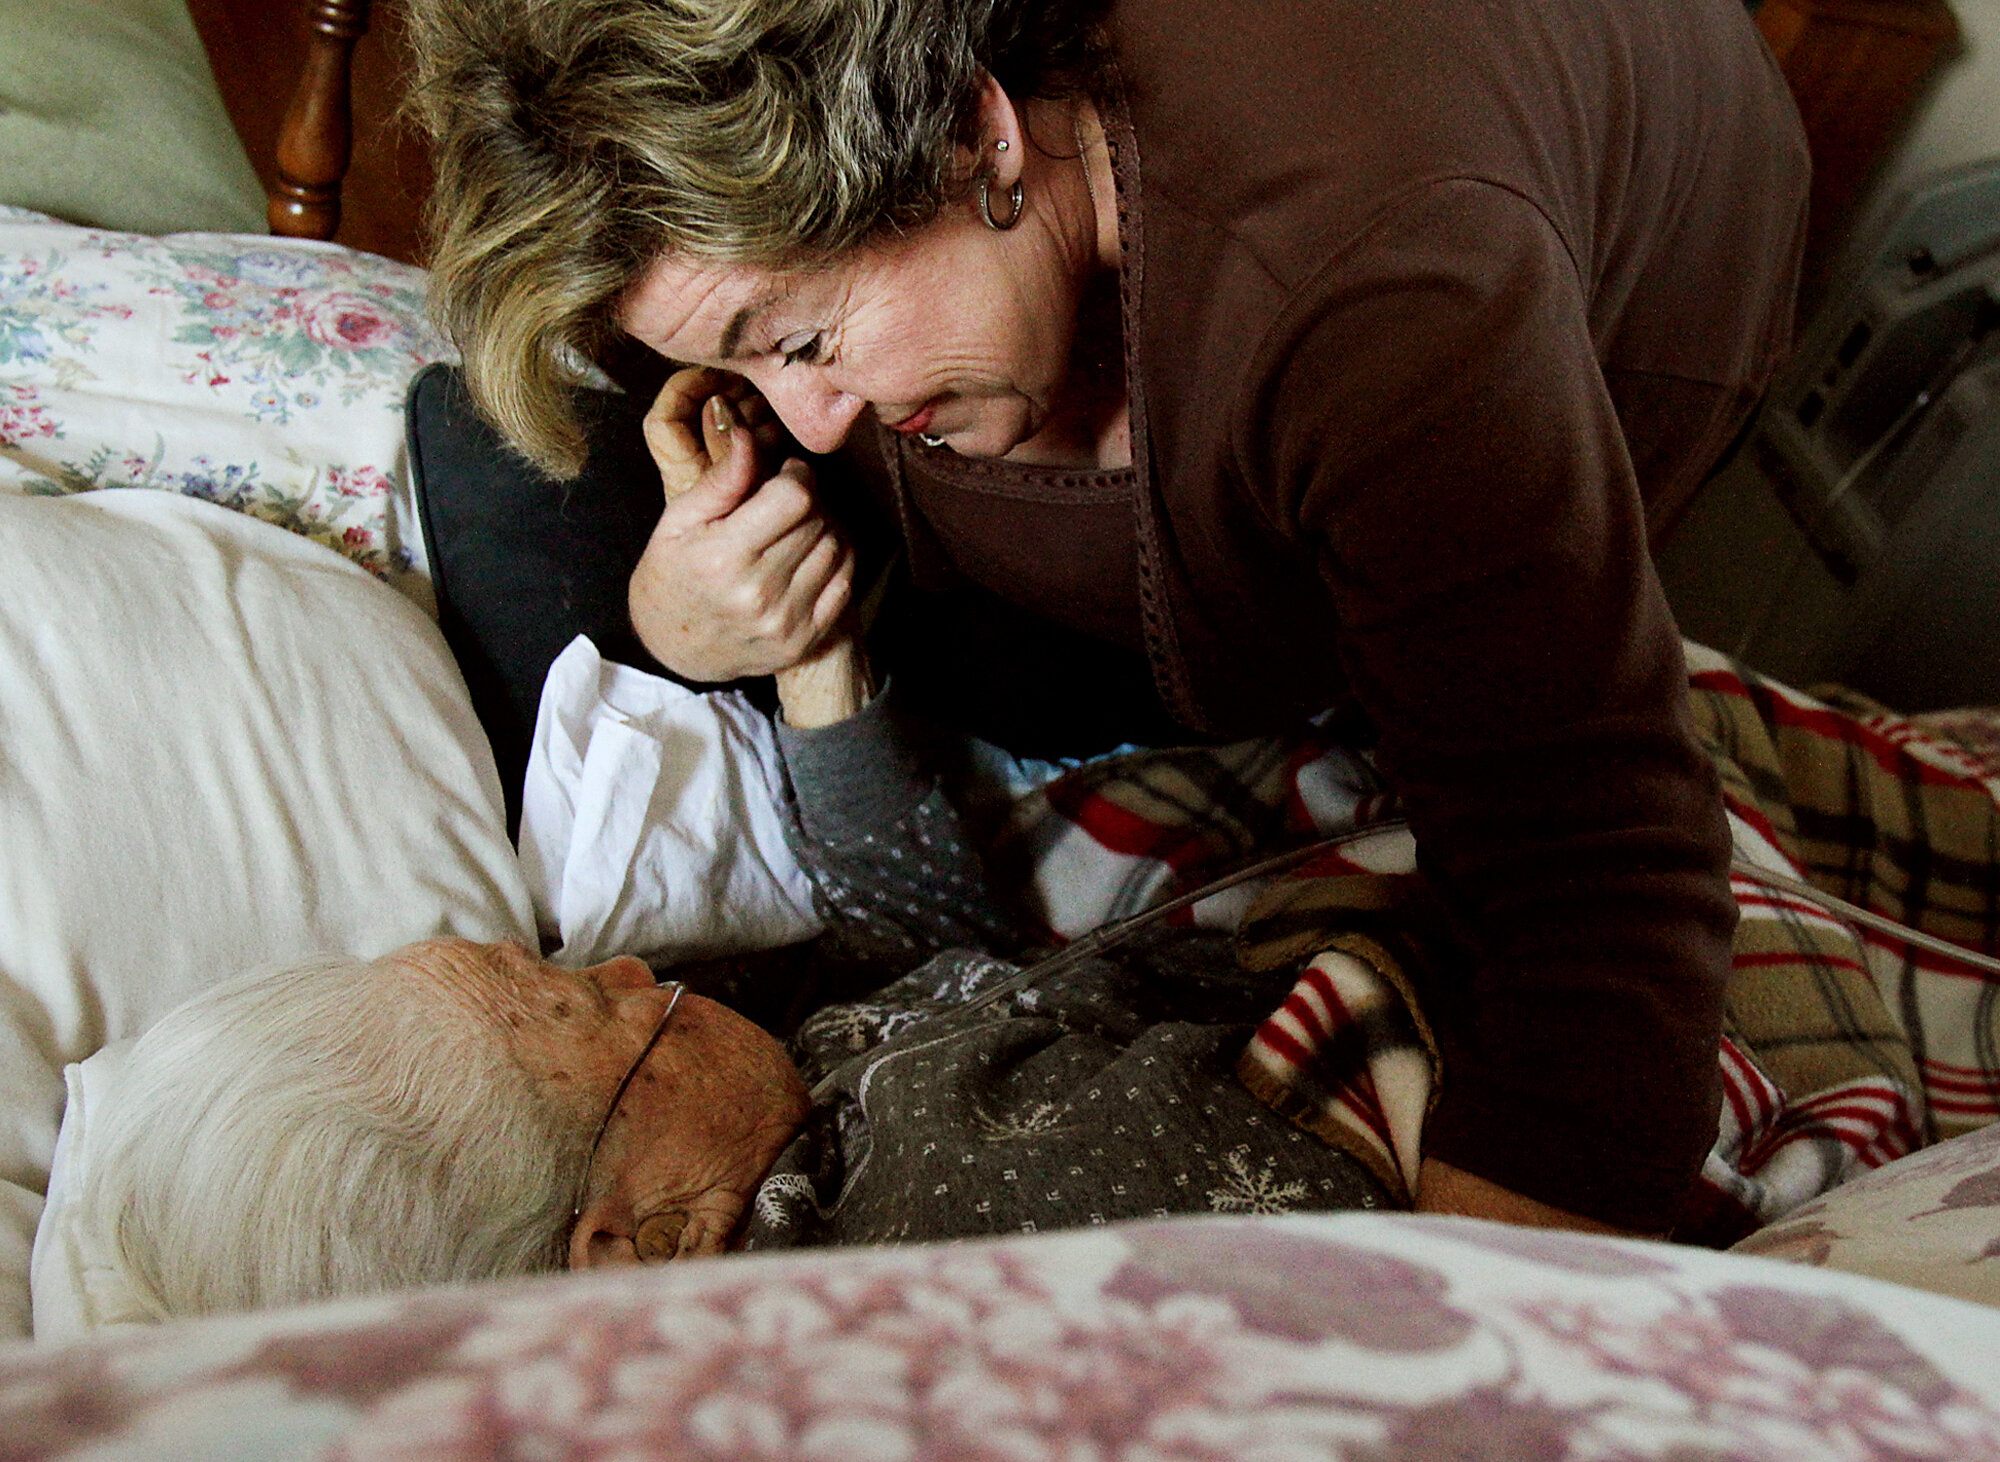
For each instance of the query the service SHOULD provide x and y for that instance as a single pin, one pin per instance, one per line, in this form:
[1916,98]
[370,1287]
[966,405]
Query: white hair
[337,1127]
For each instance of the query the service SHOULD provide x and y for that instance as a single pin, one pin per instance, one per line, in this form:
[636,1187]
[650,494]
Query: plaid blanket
[1843,1047]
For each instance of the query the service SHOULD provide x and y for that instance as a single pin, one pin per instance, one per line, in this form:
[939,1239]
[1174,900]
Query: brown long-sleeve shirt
[1426,303]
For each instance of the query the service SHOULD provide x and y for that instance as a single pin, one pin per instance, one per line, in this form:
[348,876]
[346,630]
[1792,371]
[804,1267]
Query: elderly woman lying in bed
[456,1110]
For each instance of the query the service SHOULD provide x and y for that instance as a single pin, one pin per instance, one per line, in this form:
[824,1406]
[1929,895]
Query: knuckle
[785,500]
[744,600]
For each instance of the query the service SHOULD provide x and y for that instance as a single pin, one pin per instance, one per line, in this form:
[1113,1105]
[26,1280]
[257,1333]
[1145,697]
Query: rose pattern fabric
[1931,1220]
[267,375]
[1368,1337]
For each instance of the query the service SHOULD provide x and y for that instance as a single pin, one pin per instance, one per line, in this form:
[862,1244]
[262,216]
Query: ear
[604,1236]
[660,1236]
[607,1237]
[995,120]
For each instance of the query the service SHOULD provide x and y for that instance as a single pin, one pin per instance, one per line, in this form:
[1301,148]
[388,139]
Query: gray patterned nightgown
[1106,1092]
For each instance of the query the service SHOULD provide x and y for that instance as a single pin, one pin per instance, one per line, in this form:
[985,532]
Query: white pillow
[78,1287]
[263,374]
[223,746]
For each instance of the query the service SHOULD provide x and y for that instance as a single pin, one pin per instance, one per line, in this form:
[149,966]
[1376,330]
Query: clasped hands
[744,574]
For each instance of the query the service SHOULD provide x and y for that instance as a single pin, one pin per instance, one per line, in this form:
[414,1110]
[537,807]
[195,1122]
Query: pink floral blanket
[1389,1338]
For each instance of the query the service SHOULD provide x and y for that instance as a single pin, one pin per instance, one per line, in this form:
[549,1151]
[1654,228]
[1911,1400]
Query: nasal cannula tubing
[1110,935]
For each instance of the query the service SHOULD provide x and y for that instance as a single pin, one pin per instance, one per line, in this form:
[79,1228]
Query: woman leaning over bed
[1323,354]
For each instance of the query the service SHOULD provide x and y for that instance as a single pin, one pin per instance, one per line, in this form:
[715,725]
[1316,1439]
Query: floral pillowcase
[1930,1220]
[263,374]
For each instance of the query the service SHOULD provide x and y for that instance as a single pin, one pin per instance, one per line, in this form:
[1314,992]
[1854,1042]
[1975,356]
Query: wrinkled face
[704,1117]
[956,332]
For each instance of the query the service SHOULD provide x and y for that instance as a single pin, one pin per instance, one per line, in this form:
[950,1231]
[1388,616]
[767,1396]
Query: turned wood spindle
[317,138]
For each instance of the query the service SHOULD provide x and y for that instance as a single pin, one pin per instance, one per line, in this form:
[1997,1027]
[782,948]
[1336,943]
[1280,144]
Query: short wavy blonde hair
[576,142]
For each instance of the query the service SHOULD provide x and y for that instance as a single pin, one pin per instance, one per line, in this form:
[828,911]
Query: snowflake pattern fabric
[1106,1091]
[1111,1096]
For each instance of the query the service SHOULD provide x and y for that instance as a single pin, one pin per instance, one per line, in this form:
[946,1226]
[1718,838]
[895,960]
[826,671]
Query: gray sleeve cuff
[857,776]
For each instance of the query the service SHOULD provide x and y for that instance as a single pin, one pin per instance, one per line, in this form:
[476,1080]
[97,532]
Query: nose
[818,415]
[623,973]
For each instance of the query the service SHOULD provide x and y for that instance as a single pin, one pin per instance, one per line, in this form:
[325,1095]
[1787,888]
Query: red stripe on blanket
[1788,907]
[1353,1094]
[1756,818]
[1364,1104]
[1284,1044]
[1337,1009]
[1356,1096]
[1775,958]
[1722,682]
[1302,1011]
[1322,985]
[1929,961]
[1875,1126]
[1350,1093]
[1120,830]
[1831,1109]
[1746,1106]
[1965,1109]
[1830,725]
[1958,1078]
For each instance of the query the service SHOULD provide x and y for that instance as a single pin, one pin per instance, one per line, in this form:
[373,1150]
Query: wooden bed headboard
[314,88]
[298,74]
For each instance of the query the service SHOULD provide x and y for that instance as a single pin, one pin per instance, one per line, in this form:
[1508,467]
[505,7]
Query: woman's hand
[743,574]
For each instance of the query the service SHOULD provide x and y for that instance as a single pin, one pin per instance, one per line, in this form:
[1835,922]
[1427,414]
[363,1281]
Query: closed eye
[802,349]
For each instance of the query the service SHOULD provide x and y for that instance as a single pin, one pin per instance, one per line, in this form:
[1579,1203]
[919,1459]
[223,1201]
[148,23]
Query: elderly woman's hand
[744,575]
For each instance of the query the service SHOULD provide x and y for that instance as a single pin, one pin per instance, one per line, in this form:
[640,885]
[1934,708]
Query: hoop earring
[986,205]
